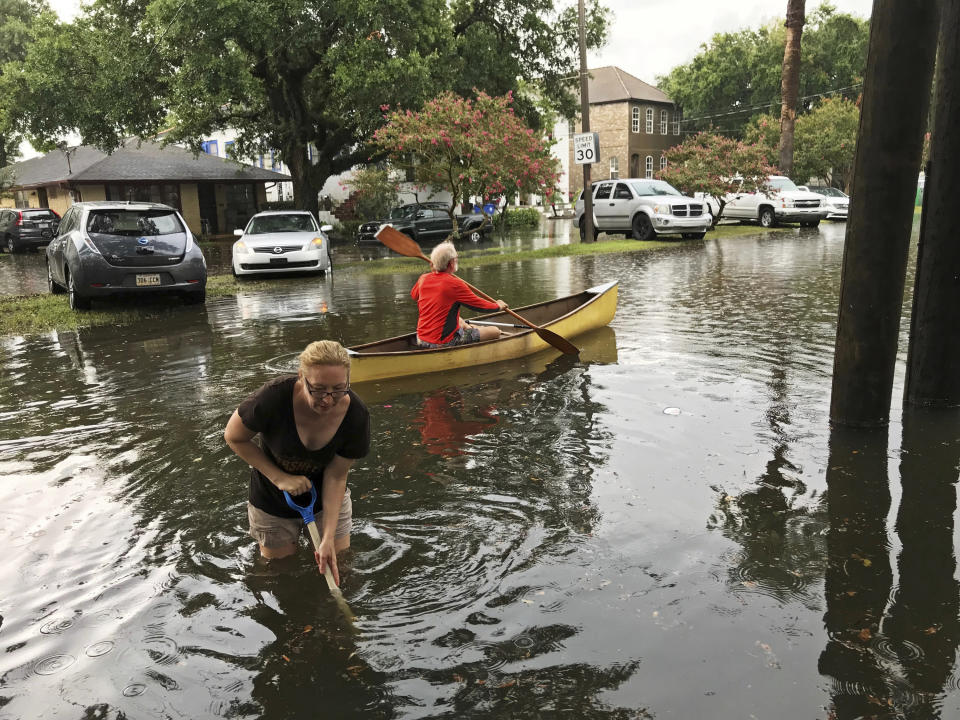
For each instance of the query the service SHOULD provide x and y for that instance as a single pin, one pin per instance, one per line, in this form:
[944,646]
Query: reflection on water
[664,527]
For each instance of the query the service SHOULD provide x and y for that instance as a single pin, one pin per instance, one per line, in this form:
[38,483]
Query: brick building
[636,122]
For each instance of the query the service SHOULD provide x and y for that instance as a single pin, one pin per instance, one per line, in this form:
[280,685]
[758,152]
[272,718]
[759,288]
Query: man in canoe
[439,295]
[312,428]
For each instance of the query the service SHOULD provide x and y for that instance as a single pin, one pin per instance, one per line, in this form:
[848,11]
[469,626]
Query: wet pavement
[665,528]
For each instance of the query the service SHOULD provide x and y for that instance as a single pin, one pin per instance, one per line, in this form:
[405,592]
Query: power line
[775,101]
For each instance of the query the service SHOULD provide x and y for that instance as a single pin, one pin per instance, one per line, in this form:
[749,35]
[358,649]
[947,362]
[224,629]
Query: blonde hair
[324,352]
[442,255]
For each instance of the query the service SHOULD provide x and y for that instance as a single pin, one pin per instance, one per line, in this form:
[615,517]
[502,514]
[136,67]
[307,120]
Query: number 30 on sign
[586,148]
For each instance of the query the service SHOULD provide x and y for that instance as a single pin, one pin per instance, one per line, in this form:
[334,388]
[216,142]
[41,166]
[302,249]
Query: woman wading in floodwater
[312,428]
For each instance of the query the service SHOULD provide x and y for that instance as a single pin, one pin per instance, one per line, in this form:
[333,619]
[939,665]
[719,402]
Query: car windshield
[39,215]
[263,224]
[831,192]
[402,213]
[782,184]
[654,187]
[132,223]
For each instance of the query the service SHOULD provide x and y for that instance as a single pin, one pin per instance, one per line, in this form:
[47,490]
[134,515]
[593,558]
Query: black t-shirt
[269,411]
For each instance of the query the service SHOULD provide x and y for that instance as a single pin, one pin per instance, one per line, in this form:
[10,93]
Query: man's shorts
[463,336]
[272,531]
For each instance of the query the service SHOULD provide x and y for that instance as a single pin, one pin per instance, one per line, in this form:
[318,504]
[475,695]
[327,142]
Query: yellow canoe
[567,316]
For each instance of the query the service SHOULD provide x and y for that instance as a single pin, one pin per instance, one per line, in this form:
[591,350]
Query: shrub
[519,217]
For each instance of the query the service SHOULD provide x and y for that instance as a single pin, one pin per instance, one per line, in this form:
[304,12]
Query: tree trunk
[790,83]
[305,190]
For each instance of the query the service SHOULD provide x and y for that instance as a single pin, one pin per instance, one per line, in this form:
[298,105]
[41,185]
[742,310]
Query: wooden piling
[896,98]
[933,359]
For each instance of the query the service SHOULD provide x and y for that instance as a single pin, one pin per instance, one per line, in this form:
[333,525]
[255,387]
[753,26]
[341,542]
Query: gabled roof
[611,84]
[135,161]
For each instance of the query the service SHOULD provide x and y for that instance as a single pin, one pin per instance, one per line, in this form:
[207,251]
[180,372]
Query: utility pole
[585,126]
[934,353]
[896,96]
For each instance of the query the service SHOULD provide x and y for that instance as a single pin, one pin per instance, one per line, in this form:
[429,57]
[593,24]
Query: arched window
[663,122]
[676,122]
[663,162]
[635,119]
[650,121]
[649,166]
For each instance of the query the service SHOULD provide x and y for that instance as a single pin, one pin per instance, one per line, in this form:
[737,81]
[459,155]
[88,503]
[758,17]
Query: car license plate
[278,261]
[152,279]
[44,225]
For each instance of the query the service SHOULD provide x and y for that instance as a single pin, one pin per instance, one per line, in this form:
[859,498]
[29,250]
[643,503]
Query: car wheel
[51,283]
[475,236]
[642,229]
[694,236]
[583,232]
[11,245]
[195,298]
[767,218]
[77,301]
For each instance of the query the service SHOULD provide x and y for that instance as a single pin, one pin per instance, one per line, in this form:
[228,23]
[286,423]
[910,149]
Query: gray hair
[442,255]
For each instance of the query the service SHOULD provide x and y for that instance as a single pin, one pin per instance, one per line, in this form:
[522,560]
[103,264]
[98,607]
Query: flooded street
[666,528]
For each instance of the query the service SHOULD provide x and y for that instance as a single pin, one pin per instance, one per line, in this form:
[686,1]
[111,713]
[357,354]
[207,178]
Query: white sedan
[836,202]
[282,241]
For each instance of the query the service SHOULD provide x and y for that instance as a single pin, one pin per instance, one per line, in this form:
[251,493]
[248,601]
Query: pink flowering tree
[473,148]
[716,165]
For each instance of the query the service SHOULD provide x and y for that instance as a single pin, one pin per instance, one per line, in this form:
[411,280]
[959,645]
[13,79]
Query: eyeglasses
[334,395]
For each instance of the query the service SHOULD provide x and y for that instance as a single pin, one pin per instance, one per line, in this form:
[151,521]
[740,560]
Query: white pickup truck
[783,202]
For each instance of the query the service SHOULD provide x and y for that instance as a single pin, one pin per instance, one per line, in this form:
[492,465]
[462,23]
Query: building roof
[611,84]
[135,161]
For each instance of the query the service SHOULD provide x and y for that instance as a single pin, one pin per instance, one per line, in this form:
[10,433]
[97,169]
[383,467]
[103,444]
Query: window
[663,162]
[663,122]
[603,192]
[635,120]
[676,122]
[622,192]
[614,167]
[227,147]
[166,194]
[310,152]
[649,121]
[649,166]
[131,223]
[210,147]
[273,161]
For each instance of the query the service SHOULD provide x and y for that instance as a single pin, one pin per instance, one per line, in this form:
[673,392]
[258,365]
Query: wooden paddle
[405,245]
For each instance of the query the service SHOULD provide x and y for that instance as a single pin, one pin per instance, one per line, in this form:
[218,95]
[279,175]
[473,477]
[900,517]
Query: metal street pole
[585,119]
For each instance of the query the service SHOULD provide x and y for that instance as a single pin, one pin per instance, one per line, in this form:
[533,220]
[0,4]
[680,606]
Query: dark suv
[425,222]
[26,228]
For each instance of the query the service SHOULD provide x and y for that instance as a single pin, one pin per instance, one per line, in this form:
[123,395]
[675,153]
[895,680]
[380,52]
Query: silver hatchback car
[116,248]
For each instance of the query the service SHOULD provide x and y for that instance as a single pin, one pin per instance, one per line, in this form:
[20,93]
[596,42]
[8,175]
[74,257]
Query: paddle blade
[399,243]
[560,343]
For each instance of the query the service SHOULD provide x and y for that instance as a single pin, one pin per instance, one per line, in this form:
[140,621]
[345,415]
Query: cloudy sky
[679,27]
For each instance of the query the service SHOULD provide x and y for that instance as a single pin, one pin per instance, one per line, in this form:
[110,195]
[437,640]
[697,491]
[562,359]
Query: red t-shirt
[439,296]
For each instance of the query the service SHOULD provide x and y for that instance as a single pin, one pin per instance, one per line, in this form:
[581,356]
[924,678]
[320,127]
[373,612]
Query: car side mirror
[326,228]
[238,233]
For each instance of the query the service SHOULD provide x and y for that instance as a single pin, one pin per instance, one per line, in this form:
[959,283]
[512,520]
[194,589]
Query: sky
[680,27]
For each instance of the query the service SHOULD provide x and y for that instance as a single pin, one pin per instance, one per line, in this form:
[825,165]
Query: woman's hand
[293,484]
[326,556]
[501,304]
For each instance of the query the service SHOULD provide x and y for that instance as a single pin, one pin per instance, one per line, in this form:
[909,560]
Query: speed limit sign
[586,148]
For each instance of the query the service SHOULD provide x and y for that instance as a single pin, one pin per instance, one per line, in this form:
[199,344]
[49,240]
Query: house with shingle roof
[636,121]
[214,195]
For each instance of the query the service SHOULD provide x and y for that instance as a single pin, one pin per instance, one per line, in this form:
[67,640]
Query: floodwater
[666,528]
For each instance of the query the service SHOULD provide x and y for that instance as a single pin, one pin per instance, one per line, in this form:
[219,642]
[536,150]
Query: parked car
[645,209]
[426,222]
[282,241]
[120,248]
[26,228]
[836,202]
[782,202]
